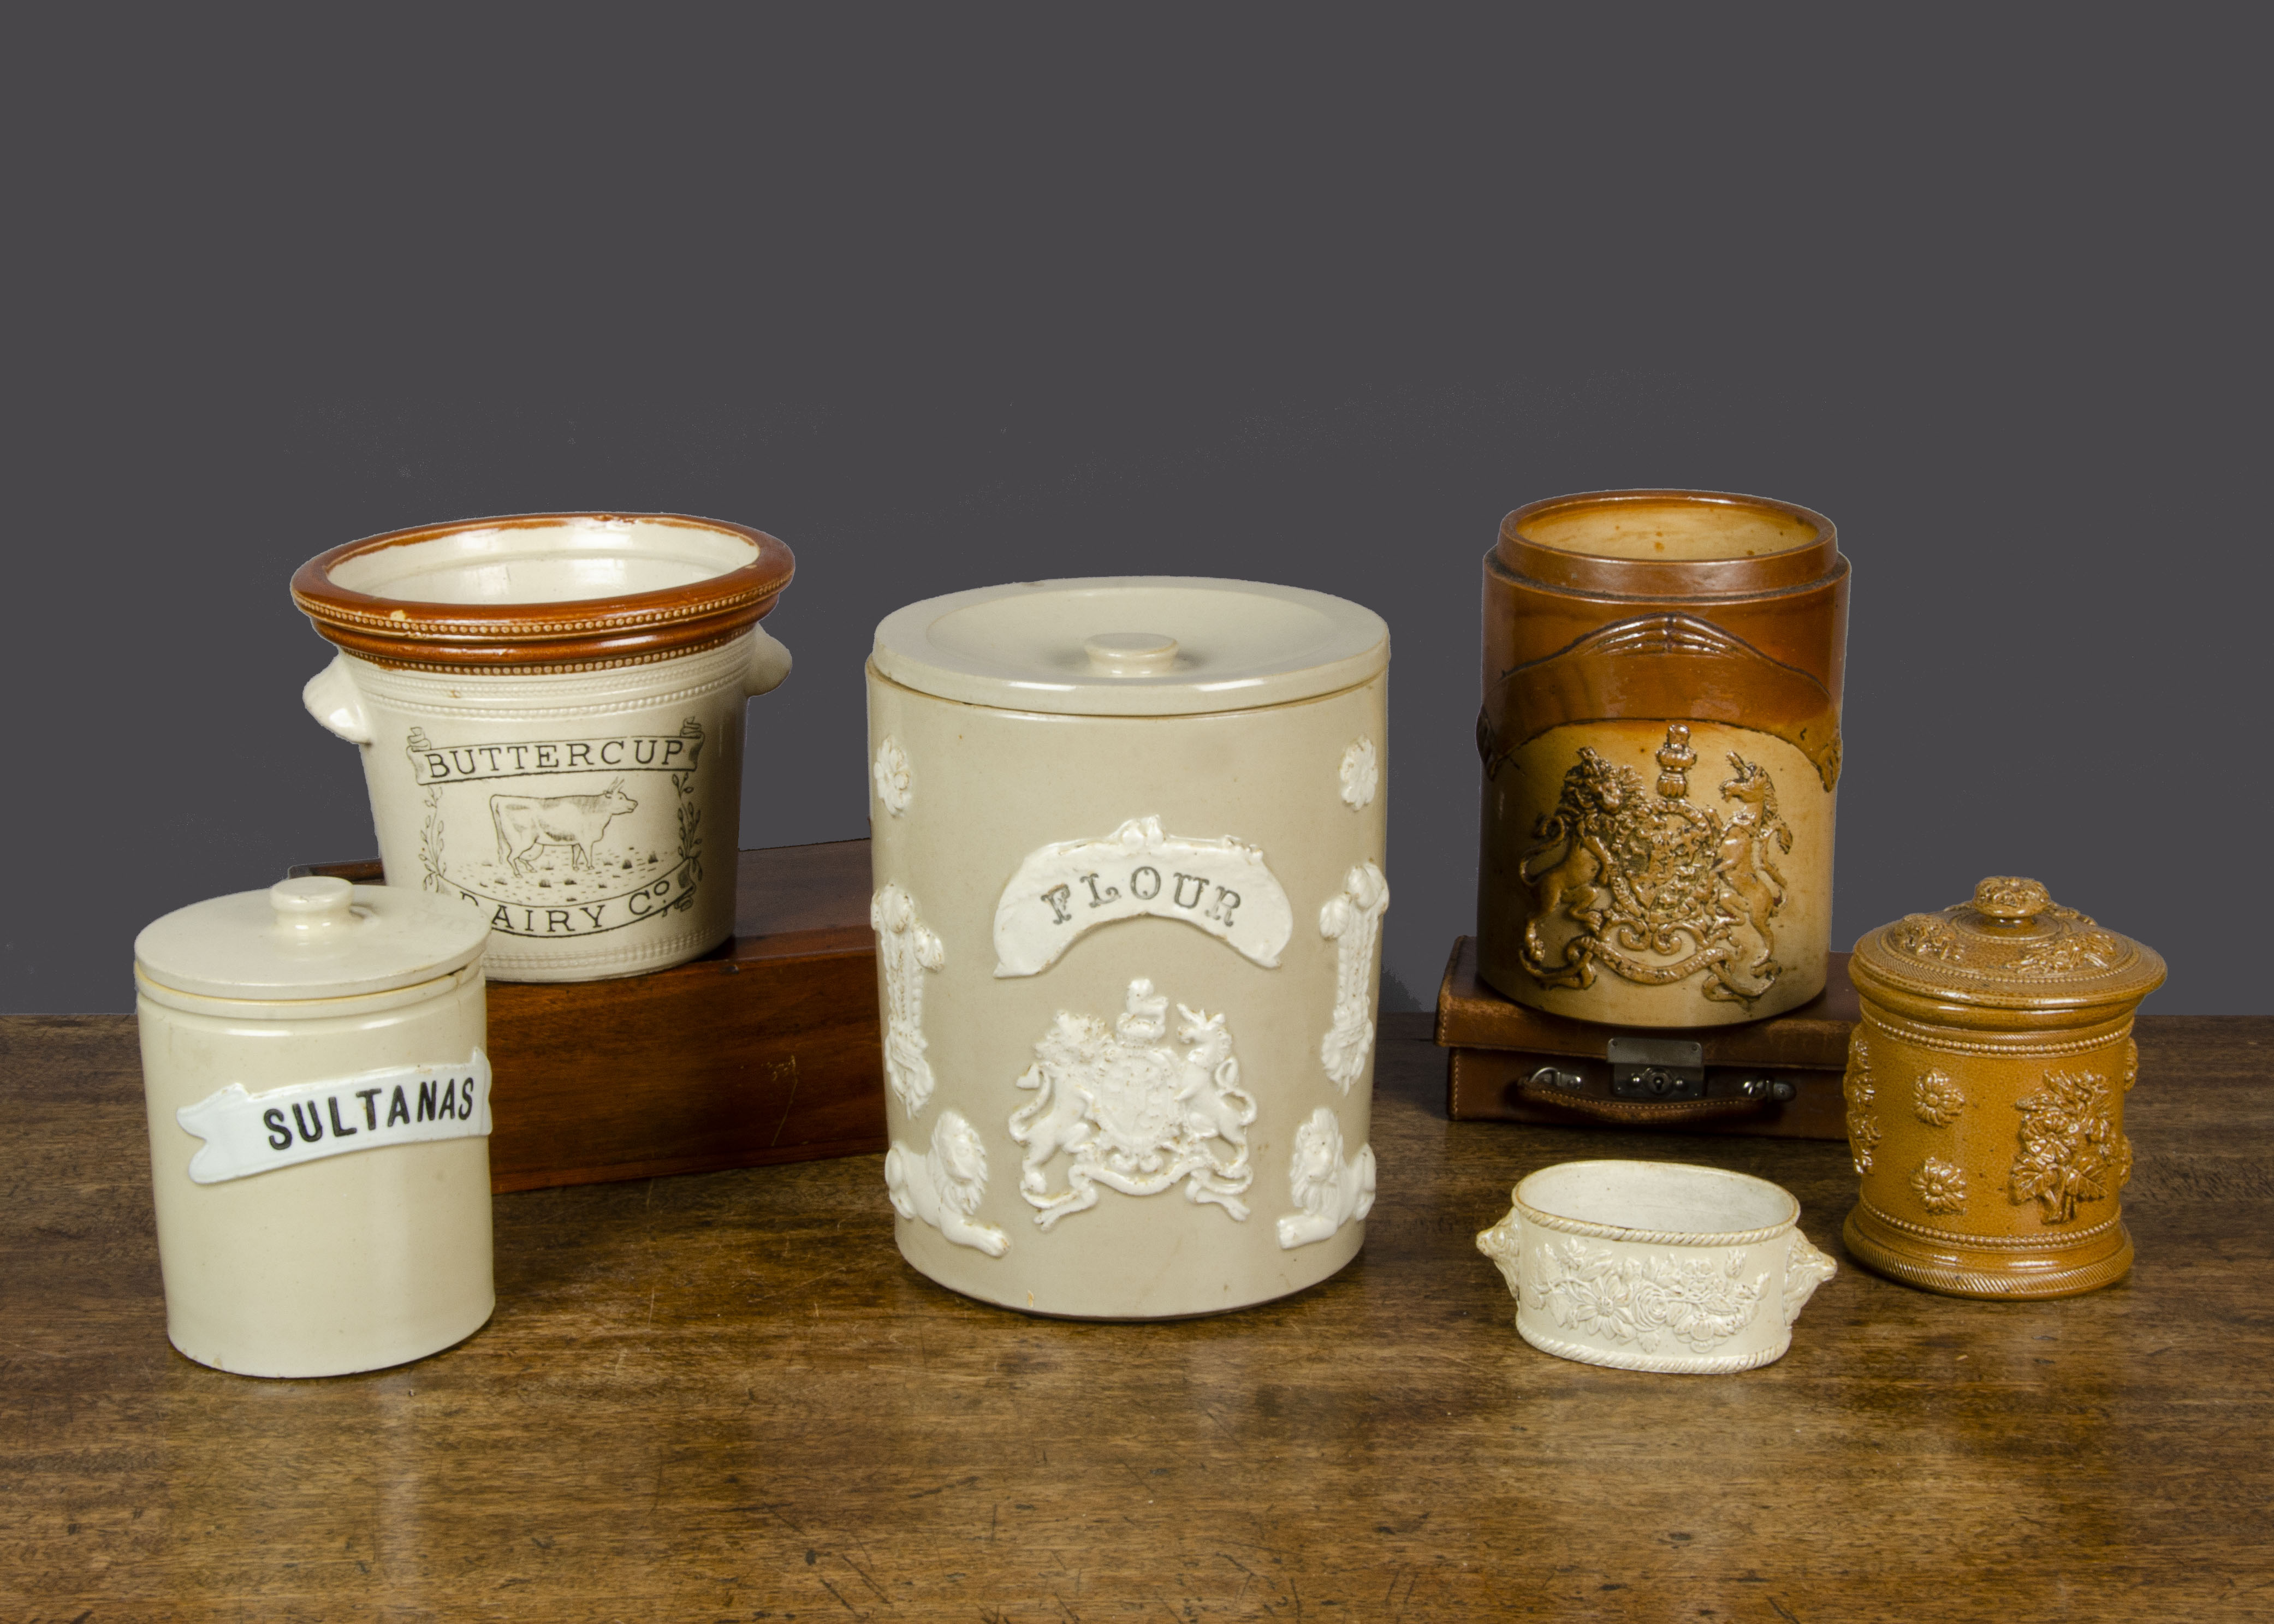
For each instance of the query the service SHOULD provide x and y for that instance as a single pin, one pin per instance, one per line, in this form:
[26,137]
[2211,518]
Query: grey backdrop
[944,297]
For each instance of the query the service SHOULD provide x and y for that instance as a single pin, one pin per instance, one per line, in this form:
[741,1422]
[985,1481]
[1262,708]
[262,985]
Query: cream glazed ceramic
[589,804]
[1128,842]
[1655,1266]
[314,1063]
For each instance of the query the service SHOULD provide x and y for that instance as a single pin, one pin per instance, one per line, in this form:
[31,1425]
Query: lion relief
[1328,1192]
[944,1187]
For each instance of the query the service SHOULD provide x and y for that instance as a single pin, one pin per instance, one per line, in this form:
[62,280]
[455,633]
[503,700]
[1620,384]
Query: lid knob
[1131,654]
[2004,899]
[312,903]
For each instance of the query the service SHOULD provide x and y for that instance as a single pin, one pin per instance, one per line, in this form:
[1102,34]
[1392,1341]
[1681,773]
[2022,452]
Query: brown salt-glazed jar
[1985,1095]
[1660,736]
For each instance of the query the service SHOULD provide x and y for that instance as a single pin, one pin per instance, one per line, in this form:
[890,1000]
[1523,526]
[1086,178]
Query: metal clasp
[1656,1069]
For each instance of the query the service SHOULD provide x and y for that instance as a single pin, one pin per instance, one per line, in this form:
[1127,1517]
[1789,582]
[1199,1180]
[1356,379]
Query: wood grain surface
[724,1396]
[764,1049]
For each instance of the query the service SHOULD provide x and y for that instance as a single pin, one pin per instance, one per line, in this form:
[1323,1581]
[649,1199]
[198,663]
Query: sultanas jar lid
[1131,645]
[2012,947]
[316,937]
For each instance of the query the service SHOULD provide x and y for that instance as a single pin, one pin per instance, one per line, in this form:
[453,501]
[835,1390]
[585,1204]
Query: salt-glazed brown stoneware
[1660,736]
[1985,1095]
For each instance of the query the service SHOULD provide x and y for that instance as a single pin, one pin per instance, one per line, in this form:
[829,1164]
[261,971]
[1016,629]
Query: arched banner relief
[1219,886]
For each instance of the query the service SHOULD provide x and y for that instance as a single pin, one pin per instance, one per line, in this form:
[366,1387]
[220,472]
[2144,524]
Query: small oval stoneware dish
[1985,1093]
[312,1060]
[550,709]
[1655,1266]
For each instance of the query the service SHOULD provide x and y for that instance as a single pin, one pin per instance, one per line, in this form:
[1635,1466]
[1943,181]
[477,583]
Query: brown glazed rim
[1616,577]
[581,634]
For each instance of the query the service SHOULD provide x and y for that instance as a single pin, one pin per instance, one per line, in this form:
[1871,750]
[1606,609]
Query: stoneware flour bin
[1661,734]
[318,1099]
[1128,845]
[550,709]
[1986,1092]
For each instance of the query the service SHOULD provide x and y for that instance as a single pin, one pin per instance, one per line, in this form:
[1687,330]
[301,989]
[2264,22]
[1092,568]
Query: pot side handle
[333,699]
[1805,1268]
[769,664]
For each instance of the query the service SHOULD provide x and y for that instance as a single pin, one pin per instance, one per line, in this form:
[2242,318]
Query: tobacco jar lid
[315,937]
[2010,948]
[536,592]
[1131,645]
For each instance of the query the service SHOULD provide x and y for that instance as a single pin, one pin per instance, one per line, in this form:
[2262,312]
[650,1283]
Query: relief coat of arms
[1656,888]
[1134,1112]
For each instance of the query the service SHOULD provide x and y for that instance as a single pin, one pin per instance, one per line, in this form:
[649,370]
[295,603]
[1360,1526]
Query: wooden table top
[725,1397]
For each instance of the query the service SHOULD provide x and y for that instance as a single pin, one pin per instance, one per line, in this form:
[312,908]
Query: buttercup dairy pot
[1128,842]
[550,709]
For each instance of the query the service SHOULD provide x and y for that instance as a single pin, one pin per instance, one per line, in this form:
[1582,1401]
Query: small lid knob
[312,903]
[1131,654]
[2004,899]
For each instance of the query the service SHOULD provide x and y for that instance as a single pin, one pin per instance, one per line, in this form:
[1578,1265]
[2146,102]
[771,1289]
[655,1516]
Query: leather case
[1779,1077]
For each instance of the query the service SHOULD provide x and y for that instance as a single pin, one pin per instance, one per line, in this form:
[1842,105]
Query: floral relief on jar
[1856,1088]
[1936,1098]
[1939,1185]
[2072,1151]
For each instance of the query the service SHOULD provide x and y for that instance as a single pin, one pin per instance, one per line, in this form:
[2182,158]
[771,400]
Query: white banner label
[1219,886]
[248,1133]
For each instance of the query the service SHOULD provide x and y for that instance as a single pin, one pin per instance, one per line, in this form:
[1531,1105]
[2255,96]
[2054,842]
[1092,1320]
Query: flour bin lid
[1131,645]
[316,937]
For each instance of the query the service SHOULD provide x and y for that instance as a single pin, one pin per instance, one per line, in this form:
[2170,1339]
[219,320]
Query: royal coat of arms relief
[1133,1111]
[1652,886]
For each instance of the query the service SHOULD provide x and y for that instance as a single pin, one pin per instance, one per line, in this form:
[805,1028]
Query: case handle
[1552,1085]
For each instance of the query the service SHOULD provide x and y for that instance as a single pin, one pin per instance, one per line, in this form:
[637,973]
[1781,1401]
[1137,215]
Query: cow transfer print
[564,837]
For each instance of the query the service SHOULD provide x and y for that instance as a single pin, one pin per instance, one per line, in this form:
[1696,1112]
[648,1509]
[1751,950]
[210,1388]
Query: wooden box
[764,1050]
[1779,1077]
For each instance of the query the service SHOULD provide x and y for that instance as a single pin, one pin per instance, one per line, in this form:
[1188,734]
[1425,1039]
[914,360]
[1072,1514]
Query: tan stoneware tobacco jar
[1985,1093]
[550,709]
[1660,735]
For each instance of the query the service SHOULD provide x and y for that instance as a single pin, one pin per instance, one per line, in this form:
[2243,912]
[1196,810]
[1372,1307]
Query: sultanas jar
[1660,735]
[1128,839]
[551,709]
[312,1061]
[1985,1093]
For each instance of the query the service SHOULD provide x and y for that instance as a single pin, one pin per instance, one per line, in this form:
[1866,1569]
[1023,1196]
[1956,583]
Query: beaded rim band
[2056,1240]
[575,635]
[1903,1030]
